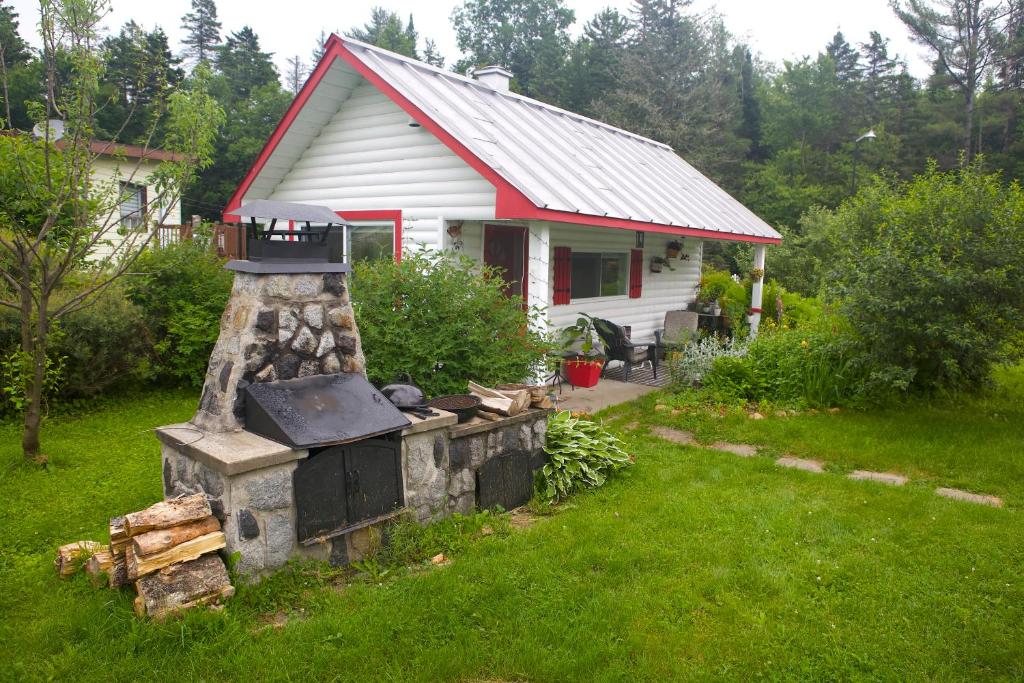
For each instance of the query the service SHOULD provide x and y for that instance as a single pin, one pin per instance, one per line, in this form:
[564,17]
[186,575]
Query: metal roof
[563,161]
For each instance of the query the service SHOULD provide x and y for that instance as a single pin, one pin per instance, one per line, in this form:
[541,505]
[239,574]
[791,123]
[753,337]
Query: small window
[133,206]
[371,242]
[598,274]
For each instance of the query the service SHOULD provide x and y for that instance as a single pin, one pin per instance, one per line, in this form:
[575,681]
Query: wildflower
[804,344]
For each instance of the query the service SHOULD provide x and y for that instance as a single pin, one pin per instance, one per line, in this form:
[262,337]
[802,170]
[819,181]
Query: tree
[54,214]
[431,55]
[296,74]
[13,49]
[244,65]
[385,30]
[880,77]
[22,74]
[530,38]
[964,35]
[594,61]
[203,39]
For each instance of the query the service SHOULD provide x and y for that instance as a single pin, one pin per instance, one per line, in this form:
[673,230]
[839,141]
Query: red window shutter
[563,276]
[636,273]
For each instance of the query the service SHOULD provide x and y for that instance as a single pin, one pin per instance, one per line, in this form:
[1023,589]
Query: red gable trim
[510,202]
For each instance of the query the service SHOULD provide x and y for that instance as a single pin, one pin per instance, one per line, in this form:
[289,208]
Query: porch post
[757,290]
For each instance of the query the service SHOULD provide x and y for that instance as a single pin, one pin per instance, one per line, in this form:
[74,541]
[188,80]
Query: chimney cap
[494,76]
[493,69]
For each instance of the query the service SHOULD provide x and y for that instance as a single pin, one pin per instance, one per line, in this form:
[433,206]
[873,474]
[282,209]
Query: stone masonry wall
[277,327]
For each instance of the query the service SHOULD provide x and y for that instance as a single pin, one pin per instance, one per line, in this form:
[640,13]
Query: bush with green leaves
[696,359]
[182,290]
[581,455]
[930,274]
[445,320]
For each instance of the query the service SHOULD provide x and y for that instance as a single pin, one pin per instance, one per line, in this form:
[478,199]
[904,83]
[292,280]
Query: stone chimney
[494,77]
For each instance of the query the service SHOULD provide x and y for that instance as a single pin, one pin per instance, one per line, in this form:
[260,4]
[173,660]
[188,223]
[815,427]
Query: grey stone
[339,552]
[331,365]
[540,427]
[463,452]
[209,402]
[258,354]
[313,315]
[334,283]
[968,497]
[287,366]
[287,320]
[674,435]
[217,508]
[740,449]
[326,345]
[439,451]
[462,481]
[800,464]
[248,527]
[168,476]
[238,407]
[305,341]
[308,368]
[278,286]
[525,437]
[266,321]
[270,491]
[225,375]
[306,286]
[464,504]
[210,481]
[267,374]
[346,344]
[883,477]
[280,539]
[340,317]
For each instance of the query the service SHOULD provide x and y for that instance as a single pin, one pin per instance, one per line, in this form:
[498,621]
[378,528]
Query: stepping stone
[740,449]
[884,477]
[674,435]
[800,464]
[958,494]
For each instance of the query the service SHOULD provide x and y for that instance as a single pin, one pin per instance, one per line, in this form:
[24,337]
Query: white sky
[779,29]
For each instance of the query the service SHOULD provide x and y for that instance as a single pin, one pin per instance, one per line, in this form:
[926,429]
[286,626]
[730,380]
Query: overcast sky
[779,29]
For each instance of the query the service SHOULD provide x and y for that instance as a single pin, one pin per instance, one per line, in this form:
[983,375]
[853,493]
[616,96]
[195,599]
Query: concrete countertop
[229,453]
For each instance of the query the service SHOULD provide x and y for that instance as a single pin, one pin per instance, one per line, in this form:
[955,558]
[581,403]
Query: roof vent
[494,77]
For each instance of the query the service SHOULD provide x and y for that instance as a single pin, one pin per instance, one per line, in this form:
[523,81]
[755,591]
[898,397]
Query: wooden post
[757,290]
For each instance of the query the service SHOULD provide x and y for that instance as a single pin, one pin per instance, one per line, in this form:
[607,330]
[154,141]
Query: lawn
[694,564]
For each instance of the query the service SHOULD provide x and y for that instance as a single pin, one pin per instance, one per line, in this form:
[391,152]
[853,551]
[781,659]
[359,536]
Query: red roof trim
[510,202]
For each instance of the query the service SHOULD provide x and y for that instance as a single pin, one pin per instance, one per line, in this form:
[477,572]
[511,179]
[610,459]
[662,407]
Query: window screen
[133,205]
[598,274]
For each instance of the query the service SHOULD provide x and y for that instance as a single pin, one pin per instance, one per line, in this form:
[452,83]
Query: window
[371,242]
[133,206]
[598,274]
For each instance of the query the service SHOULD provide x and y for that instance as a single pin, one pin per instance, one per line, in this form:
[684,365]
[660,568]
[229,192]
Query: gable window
[133,206]
[599,274]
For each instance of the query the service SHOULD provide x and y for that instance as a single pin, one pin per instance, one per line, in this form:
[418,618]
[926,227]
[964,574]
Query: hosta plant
[581,455]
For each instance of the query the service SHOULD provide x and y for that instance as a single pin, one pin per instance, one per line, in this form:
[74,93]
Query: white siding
[367,157]
[661,292]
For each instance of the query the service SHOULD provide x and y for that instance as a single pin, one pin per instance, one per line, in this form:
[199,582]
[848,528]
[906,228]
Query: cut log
[118,531]
[168,513]
[544,403]
[98,567]
[183,552]
[493,417]
[164,539]
[510,403]
[118,573]
[73,556]
[201,581]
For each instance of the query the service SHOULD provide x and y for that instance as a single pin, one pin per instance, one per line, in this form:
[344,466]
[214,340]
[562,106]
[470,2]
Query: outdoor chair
[618,347]
[680,329]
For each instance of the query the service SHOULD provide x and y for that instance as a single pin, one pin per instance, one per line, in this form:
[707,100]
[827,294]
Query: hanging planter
[657,263]
[673,249]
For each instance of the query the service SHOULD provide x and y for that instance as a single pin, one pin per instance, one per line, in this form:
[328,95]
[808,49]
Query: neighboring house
[573,209]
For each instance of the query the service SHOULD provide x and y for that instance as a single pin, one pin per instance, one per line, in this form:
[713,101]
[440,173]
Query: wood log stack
[508,399]
[168,551]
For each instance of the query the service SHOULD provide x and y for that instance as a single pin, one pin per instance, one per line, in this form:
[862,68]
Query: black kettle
[403,393]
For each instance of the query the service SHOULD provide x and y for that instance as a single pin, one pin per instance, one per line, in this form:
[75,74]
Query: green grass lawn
[694,564]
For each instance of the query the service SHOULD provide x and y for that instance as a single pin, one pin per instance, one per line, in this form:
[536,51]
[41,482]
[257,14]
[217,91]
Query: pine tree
[296,74]
[431,55]
[203,39]
[881,73]
[385,30]
[244,65]
[14,49]
[594,61]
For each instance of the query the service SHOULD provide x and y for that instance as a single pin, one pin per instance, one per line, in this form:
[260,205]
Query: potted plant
[582,362]
[673,248]
[658,262]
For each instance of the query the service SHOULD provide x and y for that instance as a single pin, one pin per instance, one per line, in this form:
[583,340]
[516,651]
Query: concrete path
[741,449]
[967,496]
[800,464]
[608,392]
[884,477]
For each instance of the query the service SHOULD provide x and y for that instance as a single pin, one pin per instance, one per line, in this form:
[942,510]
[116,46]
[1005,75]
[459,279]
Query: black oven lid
[322,410]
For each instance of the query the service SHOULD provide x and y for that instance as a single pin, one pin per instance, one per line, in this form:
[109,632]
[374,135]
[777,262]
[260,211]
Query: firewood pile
[508,399]
[167,551]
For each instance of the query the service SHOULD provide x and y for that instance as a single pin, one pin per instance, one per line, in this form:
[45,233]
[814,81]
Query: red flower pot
[583,373]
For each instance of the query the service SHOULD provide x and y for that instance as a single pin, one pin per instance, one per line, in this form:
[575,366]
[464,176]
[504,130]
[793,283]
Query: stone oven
[299,455]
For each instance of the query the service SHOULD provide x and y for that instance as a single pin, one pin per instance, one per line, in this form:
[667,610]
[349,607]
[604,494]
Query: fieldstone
[740,449]
[287,366]
[334,283]
[540,427]
[340,318]
[267,374]
[209,402]
[674,435]
[346,344]
[238,406]
[525,437]
[225,375]
[800,464]
[168,476]
[305,341]
[248,527]
[278,286]
[439,442]
[266,321]
[217,508]
[270,491]
[240,316]
[331,365]
[212,483]
[339,552]
[306,286]
[280,539]
[287,320]
[326,345]
[464,504]
[968,497]
[258,354]
[308,368]
[352,364]
[463,452]
[883,477]
[462,481]
[313,315]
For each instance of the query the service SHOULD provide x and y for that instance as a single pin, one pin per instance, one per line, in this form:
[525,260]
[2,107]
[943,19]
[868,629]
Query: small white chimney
[494,77]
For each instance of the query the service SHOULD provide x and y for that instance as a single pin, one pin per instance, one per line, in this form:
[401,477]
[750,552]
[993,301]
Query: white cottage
[573,209]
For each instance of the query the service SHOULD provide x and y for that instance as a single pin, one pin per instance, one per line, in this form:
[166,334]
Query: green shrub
[930,274]
[442,318]
[182,290]
[581,455]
